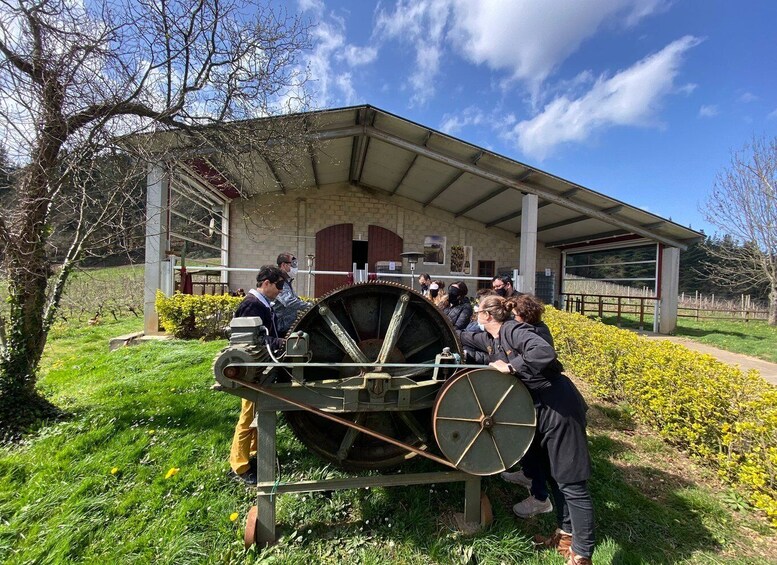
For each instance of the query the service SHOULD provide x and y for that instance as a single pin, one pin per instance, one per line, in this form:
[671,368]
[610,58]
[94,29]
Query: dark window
[485,269]
[359,253]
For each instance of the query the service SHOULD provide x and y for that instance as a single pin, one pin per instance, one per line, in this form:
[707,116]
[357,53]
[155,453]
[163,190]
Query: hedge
[190,316]
[714,411]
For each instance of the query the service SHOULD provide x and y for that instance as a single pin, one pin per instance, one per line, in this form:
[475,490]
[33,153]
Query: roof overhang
[379,151]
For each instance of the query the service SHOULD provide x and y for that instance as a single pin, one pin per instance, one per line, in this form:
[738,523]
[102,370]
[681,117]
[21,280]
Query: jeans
[575,514]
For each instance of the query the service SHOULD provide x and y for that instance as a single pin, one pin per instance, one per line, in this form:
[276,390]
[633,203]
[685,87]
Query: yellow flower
[171,472]
[114,470]
[233,516]
[151,432]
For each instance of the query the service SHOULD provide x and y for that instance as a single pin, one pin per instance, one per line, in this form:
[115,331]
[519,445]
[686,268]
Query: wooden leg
[265,473]
[472,500]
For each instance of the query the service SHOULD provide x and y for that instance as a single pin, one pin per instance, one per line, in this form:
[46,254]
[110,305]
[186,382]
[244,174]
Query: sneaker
[248,478]
[575,559]
[531,507]
[517,478]
[559,540]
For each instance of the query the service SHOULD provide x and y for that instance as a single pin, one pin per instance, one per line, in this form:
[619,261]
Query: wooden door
[383,245]
[333,253]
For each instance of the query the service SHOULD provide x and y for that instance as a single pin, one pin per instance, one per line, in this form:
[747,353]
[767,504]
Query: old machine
[372,376]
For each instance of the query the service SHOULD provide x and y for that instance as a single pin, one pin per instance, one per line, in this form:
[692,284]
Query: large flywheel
[367,323]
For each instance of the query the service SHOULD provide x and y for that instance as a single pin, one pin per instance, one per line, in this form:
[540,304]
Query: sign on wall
[434,249]
[461,259]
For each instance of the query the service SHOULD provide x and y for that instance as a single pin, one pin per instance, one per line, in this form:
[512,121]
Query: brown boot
[575,559]
[558,540]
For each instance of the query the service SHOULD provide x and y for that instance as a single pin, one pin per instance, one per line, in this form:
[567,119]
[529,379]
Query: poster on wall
[461,259]
[434,249]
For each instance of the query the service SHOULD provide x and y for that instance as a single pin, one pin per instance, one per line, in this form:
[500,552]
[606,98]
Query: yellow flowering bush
[190,316]
[715,411]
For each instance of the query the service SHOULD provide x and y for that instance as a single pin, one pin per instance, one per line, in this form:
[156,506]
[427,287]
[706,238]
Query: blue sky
[642,100]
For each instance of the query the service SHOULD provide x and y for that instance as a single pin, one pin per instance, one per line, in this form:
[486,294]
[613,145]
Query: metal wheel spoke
[469,446]
[451,419]
[501,400]
[421,347]
[475,394]
[349,437]
[518,424]
[412,423]
[498,453]
[342,336]
[392,333]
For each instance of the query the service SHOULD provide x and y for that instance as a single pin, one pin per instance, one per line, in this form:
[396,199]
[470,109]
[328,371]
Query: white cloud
[471,116]
[531,39]
[332,58]
[358,56]
[422,23]
[708,111]
[748,97]
[631,97]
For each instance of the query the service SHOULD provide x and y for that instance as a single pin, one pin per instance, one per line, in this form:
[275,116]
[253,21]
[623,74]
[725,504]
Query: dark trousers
[533,465]
[575,514]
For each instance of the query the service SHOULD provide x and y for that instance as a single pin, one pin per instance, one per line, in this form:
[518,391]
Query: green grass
[146,409]
[757,339]
[754,338]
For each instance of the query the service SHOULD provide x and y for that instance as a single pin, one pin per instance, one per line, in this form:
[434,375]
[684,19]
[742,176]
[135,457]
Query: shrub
[190,316]
[716,412]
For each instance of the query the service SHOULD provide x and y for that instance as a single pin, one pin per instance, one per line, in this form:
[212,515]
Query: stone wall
[266,225]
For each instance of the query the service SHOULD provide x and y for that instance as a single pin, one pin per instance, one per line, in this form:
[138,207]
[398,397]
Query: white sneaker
[517,478]
[531,507]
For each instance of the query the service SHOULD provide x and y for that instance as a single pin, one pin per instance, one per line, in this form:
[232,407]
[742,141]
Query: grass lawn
[754,338]
[99,487]
[757,339]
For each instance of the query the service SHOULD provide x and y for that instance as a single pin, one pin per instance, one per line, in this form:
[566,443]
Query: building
[364,185]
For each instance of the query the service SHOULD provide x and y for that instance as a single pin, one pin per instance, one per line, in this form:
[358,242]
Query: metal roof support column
[528,261]
[157,223]
[670,282]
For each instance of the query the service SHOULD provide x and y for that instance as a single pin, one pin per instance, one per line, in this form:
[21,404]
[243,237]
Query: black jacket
[459,315]
[252,306]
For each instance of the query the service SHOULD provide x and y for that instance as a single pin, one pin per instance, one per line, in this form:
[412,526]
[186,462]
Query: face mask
[453,295]
[293,272]
[482,328]
[433,290]
[501,291]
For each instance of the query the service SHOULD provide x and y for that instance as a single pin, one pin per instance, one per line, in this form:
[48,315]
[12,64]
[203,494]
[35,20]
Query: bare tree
[73,77]
[743,206]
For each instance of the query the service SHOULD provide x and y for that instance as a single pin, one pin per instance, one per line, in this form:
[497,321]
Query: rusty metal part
[249,536]
[349,424]
[375,324]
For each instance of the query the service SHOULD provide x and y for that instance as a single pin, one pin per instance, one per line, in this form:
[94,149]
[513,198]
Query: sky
[641,100]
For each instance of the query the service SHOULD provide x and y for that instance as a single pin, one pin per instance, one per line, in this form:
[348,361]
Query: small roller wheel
[249,537]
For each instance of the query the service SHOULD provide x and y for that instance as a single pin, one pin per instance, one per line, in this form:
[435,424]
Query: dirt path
[768,370]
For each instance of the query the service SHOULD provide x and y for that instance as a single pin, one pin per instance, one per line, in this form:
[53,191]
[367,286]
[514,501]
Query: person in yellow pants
[269,283]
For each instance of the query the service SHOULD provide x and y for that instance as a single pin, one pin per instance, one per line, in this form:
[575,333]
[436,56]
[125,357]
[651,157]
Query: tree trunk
[773,304]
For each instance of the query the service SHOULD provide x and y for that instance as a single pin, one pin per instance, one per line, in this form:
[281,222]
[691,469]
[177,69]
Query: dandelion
[114,470]
[233,516]
[151,432]
[173,471]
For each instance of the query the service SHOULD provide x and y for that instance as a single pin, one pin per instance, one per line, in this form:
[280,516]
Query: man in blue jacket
[269,283]
[287,304]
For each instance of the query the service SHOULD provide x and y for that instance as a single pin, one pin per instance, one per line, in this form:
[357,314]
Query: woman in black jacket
[519,348]
[459,310]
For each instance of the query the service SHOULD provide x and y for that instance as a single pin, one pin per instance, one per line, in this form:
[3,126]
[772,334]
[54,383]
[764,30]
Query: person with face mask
[459,310]
[424,280]
[287,305]
[437,294]
[517,344]
[503,286]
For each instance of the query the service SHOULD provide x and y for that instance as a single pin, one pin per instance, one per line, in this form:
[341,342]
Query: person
[287,305]
[517,348]
[424,280]
[269,282]
[503,286]
[458,310]
[437,293]
[529,309]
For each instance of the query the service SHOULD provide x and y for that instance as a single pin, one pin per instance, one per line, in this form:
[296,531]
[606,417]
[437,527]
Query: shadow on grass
[640,509]
[700,332]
